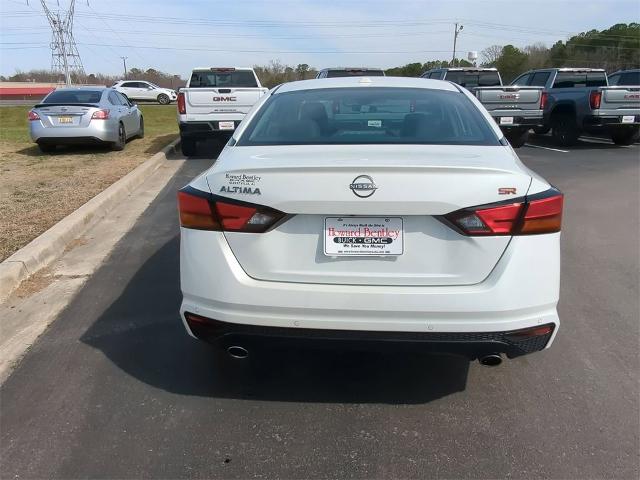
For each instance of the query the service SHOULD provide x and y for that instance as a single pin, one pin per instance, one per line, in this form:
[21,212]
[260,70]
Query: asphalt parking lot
[116,389]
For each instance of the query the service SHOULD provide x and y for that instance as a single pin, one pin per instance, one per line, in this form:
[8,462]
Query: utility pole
[456,32]
[124,62]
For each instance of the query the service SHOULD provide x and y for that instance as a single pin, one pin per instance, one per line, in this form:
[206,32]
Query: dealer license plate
[353,236]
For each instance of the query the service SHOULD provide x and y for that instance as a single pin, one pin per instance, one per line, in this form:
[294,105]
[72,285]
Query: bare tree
[490,55]
[538,55]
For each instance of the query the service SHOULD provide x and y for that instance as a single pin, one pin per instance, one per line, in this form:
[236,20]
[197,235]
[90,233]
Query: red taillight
[33,116]
[541,213]
[100,115]
[182,109]
[544,96]
[195,212]
[526,333]
[595,98]
[203,212]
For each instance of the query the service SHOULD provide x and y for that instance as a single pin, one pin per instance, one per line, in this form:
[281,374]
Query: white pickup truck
[214,102]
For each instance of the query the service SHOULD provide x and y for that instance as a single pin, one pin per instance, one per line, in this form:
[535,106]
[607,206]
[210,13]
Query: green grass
[14,126]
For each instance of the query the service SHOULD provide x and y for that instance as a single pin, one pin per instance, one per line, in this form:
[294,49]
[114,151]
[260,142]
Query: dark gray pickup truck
[580,100]
[515,109]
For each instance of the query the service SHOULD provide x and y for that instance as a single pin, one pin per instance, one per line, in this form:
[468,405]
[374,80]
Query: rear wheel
[122,139]
[47,147]
[541,130]
[517,137]
[625,136]
[564,129]
[188,147]
[163,99]
[141,130]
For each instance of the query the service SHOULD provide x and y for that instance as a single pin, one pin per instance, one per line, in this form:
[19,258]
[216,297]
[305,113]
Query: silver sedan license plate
[353,236]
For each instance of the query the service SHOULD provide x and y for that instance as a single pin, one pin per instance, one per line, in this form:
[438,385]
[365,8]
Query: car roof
[563,69]
[352,68]
[207,69]
[628,70]
[82,87]
[363,82]
[468,69]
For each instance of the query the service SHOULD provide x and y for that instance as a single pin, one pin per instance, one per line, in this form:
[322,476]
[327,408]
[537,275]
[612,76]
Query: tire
[141,130]
[625,136]
[122,139]
[541,130]
[564,129]
[164,99]
[188,147]
[517,138]
[47,147]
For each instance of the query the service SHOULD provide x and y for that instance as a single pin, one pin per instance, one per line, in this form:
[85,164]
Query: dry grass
[37,190]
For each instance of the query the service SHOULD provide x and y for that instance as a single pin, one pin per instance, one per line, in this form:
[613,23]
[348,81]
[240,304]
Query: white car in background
[145,91]
[387,211]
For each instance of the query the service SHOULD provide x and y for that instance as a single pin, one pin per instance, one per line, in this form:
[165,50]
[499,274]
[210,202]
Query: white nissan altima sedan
[390,212]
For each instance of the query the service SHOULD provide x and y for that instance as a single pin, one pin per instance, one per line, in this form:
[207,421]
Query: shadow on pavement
[141,333]
[604,143]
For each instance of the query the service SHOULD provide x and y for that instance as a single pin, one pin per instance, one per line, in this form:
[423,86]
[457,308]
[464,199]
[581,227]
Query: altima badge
[363,186]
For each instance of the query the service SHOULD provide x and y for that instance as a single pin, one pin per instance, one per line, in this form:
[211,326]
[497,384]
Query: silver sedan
[85,115]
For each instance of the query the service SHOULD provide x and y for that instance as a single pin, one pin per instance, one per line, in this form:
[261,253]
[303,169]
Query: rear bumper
[469,344]
[606,119]
[521,292]
[204,130]
[70,141]
[95,132]
[527,118]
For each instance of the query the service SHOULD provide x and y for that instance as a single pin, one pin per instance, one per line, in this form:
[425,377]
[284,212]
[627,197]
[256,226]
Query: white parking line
[547,148]
[596,140]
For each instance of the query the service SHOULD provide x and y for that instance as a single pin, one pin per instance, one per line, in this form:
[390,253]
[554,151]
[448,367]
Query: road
[115,388]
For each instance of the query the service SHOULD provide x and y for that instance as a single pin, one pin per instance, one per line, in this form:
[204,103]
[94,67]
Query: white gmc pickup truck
[214,102]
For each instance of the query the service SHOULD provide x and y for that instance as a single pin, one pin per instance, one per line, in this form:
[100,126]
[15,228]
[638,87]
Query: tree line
[615,48]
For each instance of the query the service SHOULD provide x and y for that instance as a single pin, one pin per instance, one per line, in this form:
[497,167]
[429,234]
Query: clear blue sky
[175,35]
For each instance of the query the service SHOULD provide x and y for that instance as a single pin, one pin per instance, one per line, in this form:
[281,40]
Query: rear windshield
[474,79]
[219,79]
[74,96]
[580,79]
[335,116]
[626,78]
[353,72]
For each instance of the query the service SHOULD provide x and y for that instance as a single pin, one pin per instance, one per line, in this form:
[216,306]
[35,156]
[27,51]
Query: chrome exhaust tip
[491,360]
[238,352]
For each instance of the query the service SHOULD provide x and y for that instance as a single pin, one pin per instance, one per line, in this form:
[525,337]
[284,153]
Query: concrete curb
[44,249]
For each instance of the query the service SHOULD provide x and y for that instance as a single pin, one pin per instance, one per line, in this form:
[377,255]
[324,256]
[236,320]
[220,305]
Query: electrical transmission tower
[65,58]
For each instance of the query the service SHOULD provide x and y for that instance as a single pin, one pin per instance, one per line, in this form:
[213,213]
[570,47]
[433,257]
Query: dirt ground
[37,190]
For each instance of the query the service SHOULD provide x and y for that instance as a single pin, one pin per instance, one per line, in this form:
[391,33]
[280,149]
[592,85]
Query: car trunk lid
[414,185]
[64,116]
